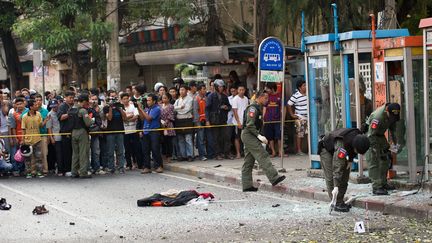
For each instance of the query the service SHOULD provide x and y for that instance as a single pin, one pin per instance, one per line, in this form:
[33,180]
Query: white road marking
[51,205]
[230,188]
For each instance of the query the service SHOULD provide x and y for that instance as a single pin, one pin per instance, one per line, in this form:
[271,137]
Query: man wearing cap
[337,151]
[382,119]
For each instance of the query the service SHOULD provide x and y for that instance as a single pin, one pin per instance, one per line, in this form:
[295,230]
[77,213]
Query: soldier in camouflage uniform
[80,138]
[337,151]
[378,157]
[253,149]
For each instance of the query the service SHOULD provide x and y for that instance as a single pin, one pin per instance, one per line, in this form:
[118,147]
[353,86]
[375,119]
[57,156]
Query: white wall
[130,73]
[52,79]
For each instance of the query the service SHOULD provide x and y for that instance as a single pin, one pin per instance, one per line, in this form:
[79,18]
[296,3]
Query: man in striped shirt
[298,110]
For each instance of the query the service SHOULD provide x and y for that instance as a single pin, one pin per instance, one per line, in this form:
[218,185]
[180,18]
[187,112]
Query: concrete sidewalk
[298,184]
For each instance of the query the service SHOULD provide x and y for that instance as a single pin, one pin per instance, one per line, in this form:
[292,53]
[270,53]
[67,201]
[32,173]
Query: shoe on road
[4,205]
[40,210]
[250,189]
[146,171]
[380,192]
[278,180]
[159,170]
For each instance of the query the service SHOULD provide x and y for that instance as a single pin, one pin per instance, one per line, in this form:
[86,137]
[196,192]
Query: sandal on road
[40,210]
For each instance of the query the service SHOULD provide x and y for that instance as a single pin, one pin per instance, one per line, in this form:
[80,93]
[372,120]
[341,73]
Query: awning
[185,55]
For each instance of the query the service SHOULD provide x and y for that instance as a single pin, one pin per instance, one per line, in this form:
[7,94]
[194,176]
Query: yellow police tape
[134,131]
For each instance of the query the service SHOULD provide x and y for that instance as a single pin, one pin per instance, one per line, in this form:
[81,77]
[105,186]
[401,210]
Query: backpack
[73,121]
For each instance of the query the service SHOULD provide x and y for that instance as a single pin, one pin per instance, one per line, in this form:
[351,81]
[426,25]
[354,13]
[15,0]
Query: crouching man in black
[337,151]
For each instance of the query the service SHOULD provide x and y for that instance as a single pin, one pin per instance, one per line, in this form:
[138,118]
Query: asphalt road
[103,209]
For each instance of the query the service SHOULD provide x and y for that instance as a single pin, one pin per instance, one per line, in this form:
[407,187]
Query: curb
[388,206]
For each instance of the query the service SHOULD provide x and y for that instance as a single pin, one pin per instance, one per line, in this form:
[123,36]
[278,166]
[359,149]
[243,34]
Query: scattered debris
[241,224]
[72,223]
[199,177]
[40,210]
[283,170]
[217,166]
[275,205]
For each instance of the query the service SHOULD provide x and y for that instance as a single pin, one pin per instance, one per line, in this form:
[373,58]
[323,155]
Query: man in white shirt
[239,105]
[298,110]
[131,137]
[184,108]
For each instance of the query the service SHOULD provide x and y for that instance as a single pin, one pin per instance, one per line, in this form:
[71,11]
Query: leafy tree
[409,13]
[8,16]
[60,26]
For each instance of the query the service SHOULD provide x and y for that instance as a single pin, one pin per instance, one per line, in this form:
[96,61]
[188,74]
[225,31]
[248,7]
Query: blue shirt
[154,112]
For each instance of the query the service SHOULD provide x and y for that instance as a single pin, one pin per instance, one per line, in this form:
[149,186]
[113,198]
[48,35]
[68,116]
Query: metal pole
[331,87]
[255,30]
[43,76]
[357,100]
[426,104]
[281,149]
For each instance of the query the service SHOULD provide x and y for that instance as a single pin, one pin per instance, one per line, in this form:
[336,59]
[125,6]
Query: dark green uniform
[253,149]
[80,142]
[378,155]
[336,151]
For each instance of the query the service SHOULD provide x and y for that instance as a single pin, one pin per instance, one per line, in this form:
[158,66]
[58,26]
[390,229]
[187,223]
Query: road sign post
[271,68]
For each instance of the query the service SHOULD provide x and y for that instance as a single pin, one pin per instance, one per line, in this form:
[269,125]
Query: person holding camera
[115,114]
[151,139]
[94,112]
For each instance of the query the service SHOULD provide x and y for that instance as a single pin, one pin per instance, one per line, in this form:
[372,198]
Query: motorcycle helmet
[26,150]
[157,86]
[218,82]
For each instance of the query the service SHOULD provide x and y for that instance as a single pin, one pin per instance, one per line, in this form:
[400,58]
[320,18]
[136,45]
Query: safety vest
[201,108]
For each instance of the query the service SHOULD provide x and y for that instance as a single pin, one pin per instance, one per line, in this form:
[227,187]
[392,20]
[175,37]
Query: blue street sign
[271,54]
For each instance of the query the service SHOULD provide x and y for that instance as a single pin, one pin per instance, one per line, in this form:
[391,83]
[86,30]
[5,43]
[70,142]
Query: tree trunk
[74,56]
[214,28]
[262,12]
[12,59]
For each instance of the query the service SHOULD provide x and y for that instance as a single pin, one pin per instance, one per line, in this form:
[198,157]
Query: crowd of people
[83,132]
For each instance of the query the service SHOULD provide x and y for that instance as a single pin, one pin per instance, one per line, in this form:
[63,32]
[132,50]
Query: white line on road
[51,205]
[230,188]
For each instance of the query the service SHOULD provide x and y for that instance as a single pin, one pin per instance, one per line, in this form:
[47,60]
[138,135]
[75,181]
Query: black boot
[389,187]
[341,207]
[380,192]
[278,180]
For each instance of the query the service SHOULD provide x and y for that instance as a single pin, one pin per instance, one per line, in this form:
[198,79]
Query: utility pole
[113,50]
[255,29]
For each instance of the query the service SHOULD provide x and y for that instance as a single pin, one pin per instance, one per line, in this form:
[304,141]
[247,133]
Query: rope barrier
[135,131]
